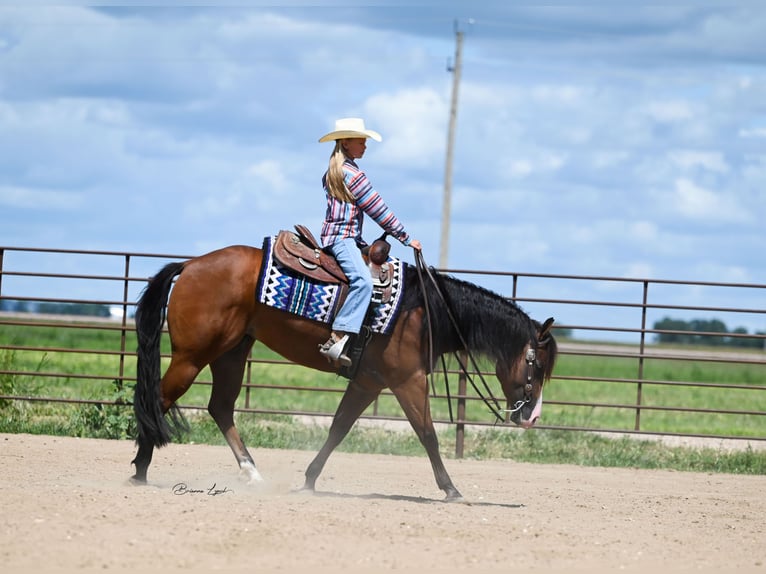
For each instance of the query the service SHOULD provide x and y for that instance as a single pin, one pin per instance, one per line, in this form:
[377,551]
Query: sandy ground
[66,504]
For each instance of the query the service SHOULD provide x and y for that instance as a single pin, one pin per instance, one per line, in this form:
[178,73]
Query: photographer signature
[183,488]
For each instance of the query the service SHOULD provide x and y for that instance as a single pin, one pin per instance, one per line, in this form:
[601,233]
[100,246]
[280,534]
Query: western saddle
[301,253]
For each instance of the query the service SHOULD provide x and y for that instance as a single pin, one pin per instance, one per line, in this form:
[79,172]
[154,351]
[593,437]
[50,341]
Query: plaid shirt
[345,219]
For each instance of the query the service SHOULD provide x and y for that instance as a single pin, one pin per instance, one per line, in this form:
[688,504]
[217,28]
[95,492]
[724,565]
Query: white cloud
[215,206]
[413,123]
[711,161]
[695,202]
[541,162]
[40,199]
[270,174]
[557,94]
[607,159]
[728,273]
[644,231]
[669,111]
[752,133]
[520,167]
[638,270]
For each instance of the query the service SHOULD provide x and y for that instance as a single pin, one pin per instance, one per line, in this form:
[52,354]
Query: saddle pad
[283,289]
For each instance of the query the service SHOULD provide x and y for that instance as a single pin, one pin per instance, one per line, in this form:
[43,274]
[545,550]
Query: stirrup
[332,349]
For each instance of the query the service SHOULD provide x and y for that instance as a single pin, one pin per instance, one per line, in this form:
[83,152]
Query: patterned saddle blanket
[287,290]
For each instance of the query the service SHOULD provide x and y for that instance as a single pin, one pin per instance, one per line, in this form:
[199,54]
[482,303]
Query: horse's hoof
[304,491]
[250,474]
[136,481]
[307,489]
[454,497]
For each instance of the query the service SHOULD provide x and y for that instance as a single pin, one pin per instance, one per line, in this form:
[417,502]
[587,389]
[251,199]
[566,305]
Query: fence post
[124,332]
[641,348]
[461,390]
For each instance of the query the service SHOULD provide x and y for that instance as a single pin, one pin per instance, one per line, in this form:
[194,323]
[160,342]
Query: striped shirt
[345,219]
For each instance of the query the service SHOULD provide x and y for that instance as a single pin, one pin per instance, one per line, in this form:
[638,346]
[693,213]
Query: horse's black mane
[490,324]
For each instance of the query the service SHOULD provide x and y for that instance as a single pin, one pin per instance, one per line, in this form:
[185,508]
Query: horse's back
[216,286]
[236,263]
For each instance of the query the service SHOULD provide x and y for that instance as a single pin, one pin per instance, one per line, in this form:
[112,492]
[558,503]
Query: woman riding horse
[349,196]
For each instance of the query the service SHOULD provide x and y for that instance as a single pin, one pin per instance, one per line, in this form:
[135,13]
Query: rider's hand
[415,244]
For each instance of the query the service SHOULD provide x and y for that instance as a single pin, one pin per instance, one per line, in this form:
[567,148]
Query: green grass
[115,421]
[666,396]
[536,446]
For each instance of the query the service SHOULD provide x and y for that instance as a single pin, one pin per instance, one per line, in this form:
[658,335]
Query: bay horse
[214,318]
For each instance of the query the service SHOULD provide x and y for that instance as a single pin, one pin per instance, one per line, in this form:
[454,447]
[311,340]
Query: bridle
[531,358]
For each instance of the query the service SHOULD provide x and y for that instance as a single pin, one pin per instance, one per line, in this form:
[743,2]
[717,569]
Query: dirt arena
[66,504]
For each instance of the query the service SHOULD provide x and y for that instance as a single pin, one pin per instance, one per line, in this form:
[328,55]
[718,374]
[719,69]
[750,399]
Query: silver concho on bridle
[531,357]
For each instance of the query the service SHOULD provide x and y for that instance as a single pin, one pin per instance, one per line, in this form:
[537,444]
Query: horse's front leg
[413,398]
[355,400]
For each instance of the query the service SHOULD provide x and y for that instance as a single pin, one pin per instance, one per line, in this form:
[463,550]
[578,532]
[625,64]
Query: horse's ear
[545,330]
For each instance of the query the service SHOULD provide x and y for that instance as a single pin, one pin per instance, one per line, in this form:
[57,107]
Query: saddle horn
[378,251]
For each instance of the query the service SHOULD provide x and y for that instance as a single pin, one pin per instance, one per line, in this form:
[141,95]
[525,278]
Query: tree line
[695,332]
[87,309]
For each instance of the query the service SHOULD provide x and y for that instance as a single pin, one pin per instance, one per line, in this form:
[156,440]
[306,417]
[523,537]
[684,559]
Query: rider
[349,196]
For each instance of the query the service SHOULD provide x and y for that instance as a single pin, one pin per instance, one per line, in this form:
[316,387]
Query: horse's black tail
[151,424]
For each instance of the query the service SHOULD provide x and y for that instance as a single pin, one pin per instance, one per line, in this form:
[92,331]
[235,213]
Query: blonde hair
[336,185]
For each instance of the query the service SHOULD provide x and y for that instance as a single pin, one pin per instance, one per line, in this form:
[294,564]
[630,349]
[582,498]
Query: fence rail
[623,383]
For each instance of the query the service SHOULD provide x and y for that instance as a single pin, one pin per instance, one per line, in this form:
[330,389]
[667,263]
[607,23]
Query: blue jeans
[351,315]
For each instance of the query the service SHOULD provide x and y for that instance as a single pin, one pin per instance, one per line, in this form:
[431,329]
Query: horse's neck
[486,327]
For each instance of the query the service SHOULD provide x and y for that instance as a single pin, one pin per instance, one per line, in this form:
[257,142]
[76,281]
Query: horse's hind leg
[176,381]
[228,371]
[351,406]
[142,461]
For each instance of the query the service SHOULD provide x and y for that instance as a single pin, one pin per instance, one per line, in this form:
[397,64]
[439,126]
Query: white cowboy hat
[350,128]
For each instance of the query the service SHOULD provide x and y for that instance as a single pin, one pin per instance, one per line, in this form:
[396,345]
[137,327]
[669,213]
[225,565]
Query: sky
[605,140]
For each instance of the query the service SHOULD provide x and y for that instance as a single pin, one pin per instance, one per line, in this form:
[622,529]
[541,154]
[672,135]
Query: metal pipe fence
[614,380]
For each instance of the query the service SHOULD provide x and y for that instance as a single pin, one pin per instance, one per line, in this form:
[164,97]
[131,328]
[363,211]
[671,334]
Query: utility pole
[444,247]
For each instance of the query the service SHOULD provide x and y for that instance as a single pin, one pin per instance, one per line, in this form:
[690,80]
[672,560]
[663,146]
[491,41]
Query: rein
[491,402]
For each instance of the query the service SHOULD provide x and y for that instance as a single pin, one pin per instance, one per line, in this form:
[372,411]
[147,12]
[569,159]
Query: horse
[213,318]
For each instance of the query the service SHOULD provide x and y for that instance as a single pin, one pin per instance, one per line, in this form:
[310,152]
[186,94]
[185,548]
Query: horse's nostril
[529,423]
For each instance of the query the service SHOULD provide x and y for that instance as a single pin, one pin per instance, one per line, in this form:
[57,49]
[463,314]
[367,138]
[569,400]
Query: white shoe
[332,349]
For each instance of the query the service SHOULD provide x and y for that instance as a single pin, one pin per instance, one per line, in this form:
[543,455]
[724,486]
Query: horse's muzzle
[526,417]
